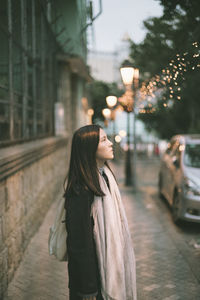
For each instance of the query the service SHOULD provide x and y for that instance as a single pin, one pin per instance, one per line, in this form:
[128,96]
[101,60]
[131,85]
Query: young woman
[101,264]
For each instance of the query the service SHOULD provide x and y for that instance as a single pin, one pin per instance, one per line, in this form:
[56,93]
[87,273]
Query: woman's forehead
[102,133]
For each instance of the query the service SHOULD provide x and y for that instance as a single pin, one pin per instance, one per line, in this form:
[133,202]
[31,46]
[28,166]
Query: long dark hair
[83,166]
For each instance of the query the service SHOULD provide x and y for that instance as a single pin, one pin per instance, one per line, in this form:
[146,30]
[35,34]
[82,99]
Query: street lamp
[106,113]
[90,114]
[111,102]
[122,133]
[129,75]
[118,139]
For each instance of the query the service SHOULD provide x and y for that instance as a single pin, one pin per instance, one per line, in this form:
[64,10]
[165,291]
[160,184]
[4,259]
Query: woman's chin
[112,156]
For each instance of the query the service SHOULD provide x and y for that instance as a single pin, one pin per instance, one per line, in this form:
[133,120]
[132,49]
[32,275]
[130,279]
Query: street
[168,265]
[167,261]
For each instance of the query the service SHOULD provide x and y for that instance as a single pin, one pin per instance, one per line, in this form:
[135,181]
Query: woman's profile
[101,262]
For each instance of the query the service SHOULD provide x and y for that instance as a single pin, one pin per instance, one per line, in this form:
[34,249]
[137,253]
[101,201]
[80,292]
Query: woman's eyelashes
[104,139]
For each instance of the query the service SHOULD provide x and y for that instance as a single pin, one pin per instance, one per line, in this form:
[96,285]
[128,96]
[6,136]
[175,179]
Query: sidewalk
[40,276]
[163,270]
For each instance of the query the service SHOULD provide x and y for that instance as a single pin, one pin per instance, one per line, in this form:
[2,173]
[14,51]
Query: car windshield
[192,155]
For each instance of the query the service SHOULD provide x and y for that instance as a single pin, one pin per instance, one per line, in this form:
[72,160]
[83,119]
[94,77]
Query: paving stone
[170,286]
[151,287]
[172,297]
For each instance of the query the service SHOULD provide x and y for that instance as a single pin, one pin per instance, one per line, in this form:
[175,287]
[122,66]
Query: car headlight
[191,188]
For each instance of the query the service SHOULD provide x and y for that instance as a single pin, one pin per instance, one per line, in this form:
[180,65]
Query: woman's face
[104,150]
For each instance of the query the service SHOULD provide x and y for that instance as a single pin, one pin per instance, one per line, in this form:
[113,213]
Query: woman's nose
[111,143]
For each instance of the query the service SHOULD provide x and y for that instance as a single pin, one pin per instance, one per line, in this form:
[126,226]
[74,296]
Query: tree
[168,39]
[98,91]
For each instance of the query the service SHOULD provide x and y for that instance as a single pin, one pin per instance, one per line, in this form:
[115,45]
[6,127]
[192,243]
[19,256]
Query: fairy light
[169,79]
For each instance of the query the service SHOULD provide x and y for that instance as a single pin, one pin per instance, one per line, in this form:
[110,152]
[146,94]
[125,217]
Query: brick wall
[25,198]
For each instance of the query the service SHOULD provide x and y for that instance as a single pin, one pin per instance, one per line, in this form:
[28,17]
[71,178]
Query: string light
[169,79]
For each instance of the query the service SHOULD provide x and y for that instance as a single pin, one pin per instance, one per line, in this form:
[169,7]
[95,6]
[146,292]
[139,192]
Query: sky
[120,17]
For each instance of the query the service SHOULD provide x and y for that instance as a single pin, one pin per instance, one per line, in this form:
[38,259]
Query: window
[27,71]
[192,155]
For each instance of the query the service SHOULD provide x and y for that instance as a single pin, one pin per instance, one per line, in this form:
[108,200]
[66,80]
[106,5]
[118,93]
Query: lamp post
[111,102]
[106,113]
[129,75]
[136,81]
[90,114]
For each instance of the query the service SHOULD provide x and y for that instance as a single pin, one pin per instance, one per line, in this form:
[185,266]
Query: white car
[179,177]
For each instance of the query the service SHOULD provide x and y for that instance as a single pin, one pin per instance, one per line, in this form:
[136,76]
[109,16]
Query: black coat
[82,260]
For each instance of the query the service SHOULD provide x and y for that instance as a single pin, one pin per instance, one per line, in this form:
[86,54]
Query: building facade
[105,65]
[43,76]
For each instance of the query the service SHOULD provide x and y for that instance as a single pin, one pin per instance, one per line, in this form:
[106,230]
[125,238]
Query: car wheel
[176,208]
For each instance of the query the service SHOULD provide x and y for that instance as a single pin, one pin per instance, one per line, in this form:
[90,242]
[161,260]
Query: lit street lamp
[90,114]
[122,133]
[106,113]
[111,102]
[118,139]
[129,75]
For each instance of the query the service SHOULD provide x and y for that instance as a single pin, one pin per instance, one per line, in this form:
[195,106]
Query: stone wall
[25,197]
